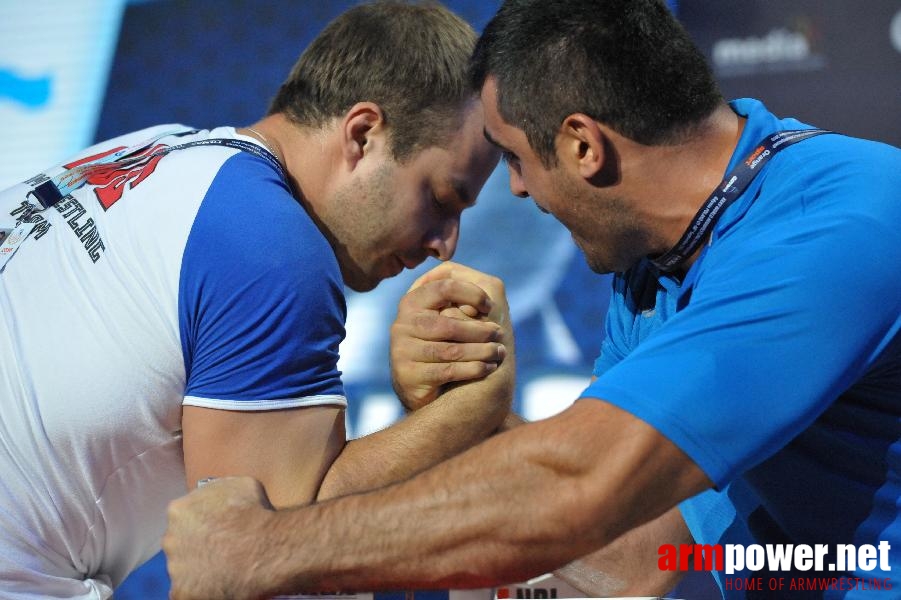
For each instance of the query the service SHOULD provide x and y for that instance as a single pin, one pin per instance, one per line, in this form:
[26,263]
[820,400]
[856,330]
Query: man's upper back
[192,276]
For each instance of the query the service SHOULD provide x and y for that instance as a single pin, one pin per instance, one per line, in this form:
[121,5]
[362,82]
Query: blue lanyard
[53,190]
[727,192]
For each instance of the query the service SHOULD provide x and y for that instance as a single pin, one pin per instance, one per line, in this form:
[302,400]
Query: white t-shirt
[188,277]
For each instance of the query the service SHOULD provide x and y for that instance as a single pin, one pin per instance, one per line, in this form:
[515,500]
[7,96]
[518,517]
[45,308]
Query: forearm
[398,538]
[460,418]
[628,565]
[523,503]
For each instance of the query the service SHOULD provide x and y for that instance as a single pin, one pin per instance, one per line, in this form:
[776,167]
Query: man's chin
[361,288]
[366,282]
[601,267]
[361,284]
[359,281]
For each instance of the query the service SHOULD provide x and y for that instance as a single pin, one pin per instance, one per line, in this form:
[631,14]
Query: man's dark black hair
[626,63]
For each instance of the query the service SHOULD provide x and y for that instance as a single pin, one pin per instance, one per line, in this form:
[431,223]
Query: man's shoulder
[250,227]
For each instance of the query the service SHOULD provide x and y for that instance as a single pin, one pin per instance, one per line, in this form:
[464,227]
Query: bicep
[288,450]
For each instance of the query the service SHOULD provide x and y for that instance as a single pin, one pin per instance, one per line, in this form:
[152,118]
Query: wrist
[267,558]
[511,421]
[407,402]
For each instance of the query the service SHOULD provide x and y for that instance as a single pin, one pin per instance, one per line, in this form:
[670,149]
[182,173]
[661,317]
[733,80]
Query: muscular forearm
[521,504]
[628,565]
[458,419]
[400,538]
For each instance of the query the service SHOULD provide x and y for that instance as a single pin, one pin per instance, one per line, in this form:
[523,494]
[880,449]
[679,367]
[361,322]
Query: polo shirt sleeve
[788,309]
[261,304]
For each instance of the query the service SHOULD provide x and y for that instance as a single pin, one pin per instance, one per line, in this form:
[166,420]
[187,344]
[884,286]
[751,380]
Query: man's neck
[306,154]
[672,182]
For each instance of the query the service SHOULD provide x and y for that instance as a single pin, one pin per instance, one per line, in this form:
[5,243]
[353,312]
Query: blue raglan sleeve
[261,304]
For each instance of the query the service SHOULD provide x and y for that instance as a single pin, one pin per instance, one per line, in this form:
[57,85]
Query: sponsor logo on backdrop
[895,31]
[824,567]
[29,92]
[781,49]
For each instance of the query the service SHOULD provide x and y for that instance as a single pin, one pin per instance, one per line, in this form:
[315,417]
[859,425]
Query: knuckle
[424,321]
[443,328]
[452,352]
[446,287]
[404,301]
[428,376]
[408,302]
[496,283]
[432,352]
[447,372]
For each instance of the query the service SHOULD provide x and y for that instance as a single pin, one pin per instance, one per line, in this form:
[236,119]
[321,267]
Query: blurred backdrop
[77,71]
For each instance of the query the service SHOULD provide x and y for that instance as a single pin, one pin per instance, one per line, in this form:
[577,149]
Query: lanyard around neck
[729,190]
[48,192]
[55,189]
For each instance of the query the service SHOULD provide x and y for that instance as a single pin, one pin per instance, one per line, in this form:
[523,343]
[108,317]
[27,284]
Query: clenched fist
[452,326]
[207,553]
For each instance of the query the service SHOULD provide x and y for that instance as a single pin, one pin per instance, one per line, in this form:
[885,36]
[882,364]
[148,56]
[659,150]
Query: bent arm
[476,520]
[457,420]
[449,417]
[484,517]
[300,454]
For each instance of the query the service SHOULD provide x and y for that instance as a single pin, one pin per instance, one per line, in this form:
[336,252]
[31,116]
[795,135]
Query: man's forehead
[494,122]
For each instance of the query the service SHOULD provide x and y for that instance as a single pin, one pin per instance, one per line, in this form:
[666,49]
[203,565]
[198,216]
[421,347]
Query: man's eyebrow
[493,141]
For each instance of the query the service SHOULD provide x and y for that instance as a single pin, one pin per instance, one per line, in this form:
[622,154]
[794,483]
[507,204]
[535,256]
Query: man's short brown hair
[409,58]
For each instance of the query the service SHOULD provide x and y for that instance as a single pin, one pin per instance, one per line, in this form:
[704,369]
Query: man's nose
[443,244]
[517,186]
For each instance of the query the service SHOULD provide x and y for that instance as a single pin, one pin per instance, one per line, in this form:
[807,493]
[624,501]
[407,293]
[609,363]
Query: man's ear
[362,128]
[581,145]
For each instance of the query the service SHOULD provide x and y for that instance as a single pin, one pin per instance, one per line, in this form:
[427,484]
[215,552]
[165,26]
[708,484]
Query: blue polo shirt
[776,364]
